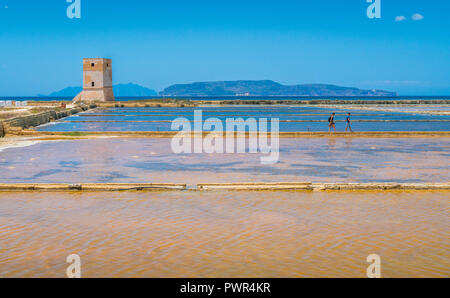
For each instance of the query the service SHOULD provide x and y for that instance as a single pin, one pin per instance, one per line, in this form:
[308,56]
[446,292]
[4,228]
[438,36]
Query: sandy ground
[17,142]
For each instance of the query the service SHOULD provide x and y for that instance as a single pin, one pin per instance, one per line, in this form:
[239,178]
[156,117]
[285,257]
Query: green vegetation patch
[75,134]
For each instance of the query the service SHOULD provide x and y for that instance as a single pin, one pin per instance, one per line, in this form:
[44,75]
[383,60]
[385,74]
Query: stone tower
[97,80]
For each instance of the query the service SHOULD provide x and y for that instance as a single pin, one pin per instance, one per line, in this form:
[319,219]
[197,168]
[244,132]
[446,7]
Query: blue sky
[159,43]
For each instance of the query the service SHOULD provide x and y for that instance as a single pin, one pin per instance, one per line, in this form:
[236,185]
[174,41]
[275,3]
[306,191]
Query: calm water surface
[135,160]
[291,119]
[225,234]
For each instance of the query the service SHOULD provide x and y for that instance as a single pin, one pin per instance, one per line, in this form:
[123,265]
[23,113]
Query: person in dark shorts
[331,122]
[349,123]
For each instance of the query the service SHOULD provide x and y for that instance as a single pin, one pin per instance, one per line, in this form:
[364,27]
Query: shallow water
[291,119]
[225,234]
[136,160]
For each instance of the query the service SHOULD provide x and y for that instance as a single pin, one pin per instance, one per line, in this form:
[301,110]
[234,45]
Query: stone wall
[17,124]
[29,121]
[99,94]
[2,130]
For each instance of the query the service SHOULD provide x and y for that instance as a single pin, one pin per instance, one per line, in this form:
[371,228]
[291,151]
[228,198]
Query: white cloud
[417,17]
[400,18]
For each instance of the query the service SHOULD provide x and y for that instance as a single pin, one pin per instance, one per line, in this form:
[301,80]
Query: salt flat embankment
[16,124]
[280,186]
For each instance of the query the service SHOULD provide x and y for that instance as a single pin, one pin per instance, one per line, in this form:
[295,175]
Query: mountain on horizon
[120,90]
[233,88]
[266,88]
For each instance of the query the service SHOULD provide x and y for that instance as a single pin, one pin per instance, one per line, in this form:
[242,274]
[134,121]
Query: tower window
[93,84]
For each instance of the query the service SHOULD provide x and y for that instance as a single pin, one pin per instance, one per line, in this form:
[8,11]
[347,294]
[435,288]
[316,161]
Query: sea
[132,98]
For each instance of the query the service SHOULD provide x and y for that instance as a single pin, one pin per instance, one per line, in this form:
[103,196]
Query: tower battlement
[97,80]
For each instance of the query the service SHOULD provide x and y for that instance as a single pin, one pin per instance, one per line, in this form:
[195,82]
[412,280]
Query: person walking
[349,123]
[331,122]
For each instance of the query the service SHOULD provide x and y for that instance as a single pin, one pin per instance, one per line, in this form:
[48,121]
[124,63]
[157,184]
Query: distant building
[97,80]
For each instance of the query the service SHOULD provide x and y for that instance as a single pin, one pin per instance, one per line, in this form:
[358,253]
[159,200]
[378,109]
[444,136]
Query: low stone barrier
[17,124]
[29,121]
[323,186]
[257,186]
[2,130]
[75,111]
[93,187]
[276,186]
[382,186]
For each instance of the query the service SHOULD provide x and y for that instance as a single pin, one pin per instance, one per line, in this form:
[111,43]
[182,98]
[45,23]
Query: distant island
[120,90]
[266,88]
[232,88]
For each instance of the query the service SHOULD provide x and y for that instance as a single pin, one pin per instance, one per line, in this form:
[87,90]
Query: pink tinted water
[225,234]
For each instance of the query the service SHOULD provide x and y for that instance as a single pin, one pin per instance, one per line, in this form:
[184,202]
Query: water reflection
[133,160]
